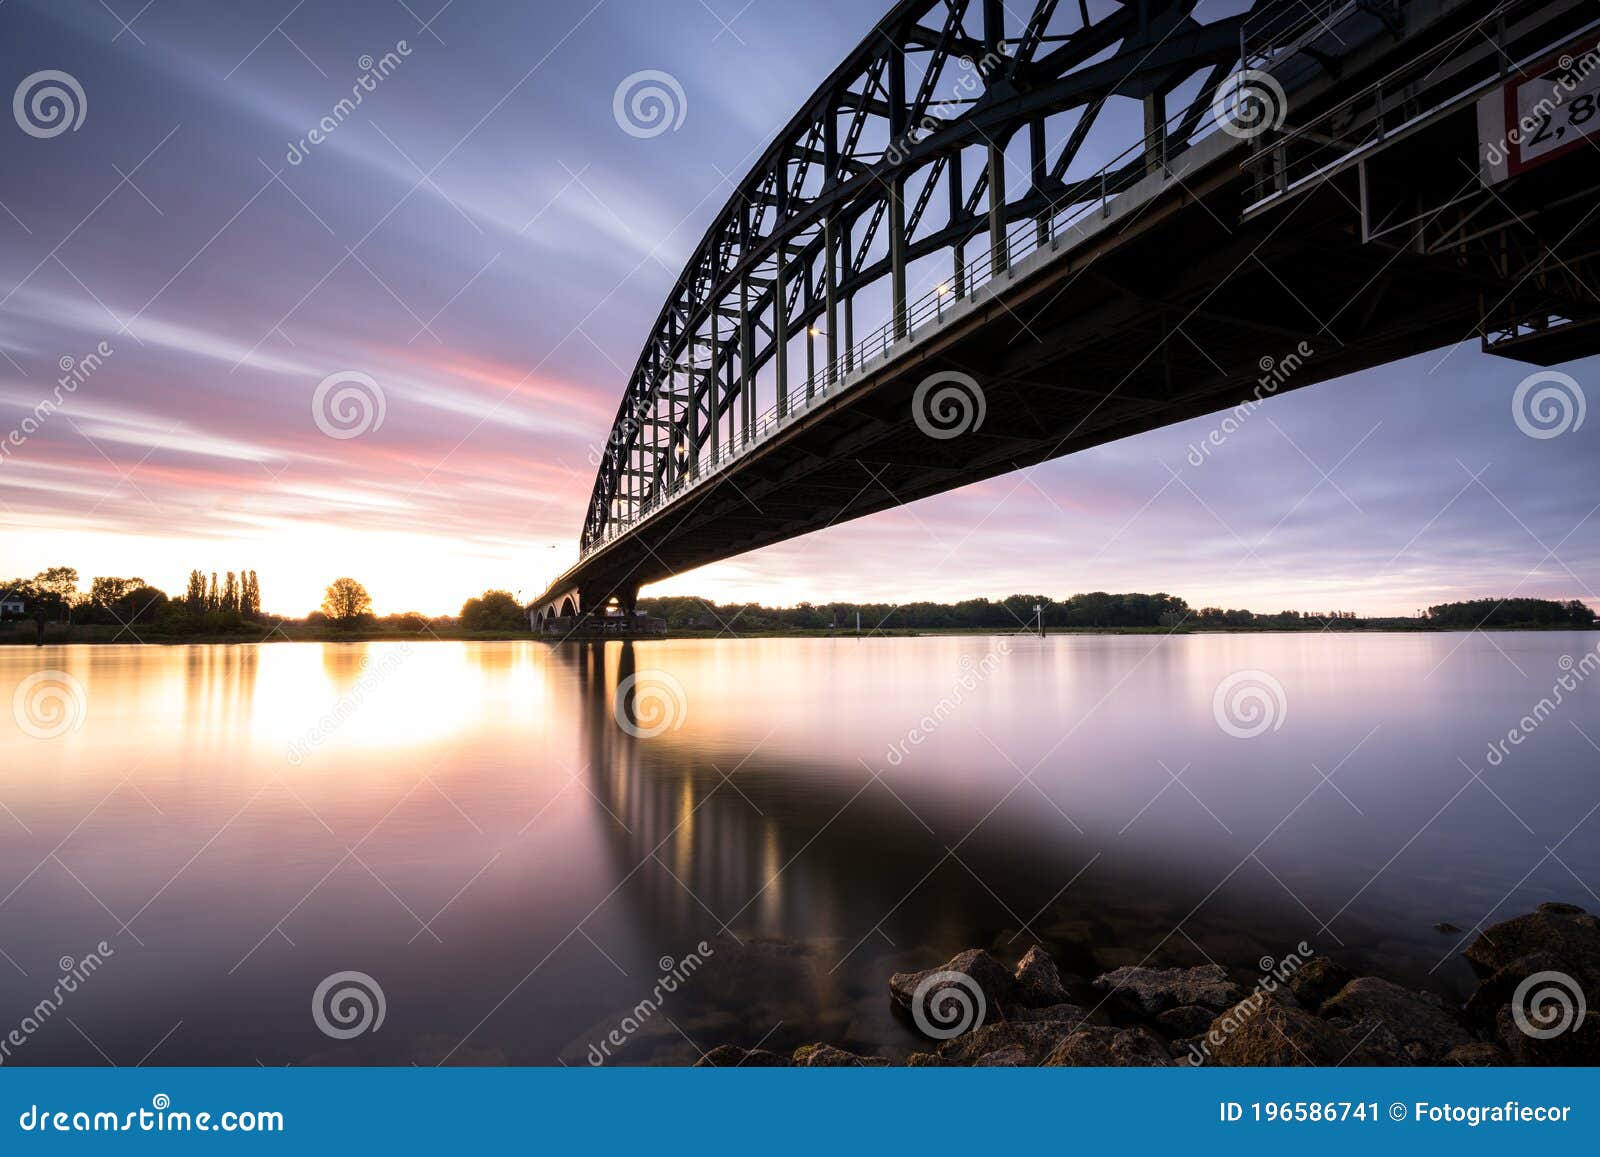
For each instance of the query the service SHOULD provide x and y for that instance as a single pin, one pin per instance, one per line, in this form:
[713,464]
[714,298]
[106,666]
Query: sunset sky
[485,243]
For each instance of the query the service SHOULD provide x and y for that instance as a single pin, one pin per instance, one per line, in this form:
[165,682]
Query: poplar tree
[196,595]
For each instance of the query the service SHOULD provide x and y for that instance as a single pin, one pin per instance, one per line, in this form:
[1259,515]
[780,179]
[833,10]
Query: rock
[1157,989]
[1423,1028]
[1072,1014]
[1262,1030]
[824,1056]
[1446,927]
[1577,1045]
[1006,1056]
[1317,980]
[1119,1047]
[1189,1051]
[1375,1037]
[1038,982]
[1478,1054]
[1036,1039]
[1186,1020]
[734,1057]
[1556,908]
[992,978]
[1499,988]
[925,1061]
[1564,933]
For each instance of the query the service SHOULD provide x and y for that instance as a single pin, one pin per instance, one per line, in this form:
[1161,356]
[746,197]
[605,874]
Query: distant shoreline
[99,635]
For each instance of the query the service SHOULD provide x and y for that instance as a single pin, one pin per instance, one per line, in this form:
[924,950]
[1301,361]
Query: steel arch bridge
[928,188]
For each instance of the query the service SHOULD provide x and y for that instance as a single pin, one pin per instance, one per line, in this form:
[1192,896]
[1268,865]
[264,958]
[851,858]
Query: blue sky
[482,240]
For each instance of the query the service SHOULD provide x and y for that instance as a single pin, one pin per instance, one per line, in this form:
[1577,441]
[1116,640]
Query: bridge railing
[918,318]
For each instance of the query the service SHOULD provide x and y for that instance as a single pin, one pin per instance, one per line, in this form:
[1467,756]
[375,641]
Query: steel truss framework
[952,121]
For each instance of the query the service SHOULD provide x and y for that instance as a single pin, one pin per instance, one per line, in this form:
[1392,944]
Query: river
[760,833]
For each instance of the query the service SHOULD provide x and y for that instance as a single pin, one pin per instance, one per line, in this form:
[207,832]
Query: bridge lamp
[940,292]
[816,331]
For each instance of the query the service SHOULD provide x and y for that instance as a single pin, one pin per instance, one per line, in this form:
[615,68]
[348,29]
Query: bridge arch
[951,122]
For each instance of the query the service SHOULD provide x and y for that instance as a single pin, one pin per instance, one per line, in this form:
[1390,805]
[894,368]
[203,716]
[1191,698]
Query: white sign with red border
[1545,113]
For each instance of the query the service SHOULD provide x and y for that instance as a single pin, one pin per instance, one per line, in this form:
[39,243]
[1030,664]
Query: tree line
[1097,609]
[207,607]
[1512,613]
[239,594]
[220,602]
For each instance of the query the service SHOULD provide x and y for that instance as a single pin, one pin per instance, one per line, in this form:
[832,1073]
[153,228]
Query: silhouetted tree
[55,590]
[346,601]
[494,611]
[196,594]
[105,591]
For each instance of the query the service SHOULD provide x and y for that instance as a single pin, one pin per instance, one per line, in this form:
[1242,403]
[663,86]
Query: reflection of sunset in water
[469,823]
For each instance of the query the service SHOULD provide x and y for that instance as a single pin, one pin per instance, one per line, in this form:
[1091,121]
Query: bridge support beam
[830,289]
[780,331]
[746,378]
[999,255]
[1155,132]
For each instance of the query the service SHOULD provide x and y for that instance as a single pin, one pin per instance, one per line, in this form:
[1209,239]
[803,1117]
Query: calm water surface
[469,825]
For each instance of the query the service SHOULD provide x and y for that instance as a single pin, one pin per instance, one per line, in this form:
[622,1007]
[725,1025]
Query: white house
[12,605]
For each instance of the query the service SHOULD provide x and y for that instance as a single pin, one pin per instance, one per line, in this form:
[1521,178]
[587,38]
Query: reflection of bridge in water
[814,873]
[1040,208]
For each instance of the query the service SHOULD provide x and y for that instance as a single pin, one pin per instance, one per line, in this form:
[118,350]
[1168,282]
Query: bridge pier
[567,608]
